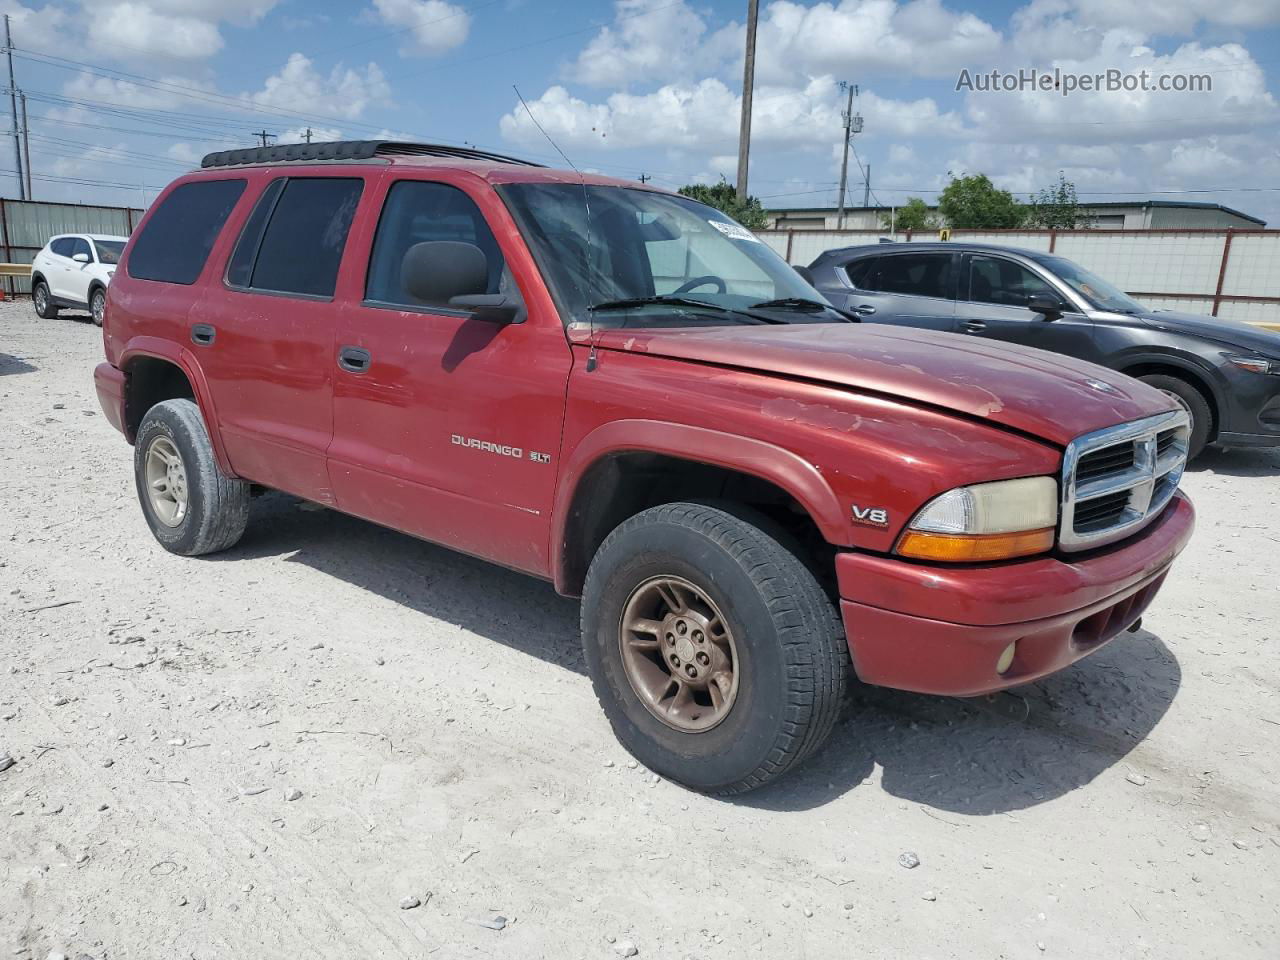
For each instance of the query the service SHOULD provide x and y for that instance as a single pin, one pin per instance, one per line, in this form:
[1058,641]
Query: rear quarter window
[178,236]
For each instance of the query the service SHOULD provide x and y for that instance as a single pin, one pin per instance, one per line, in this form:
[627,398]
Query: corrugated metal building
[26,225]
[1116,215]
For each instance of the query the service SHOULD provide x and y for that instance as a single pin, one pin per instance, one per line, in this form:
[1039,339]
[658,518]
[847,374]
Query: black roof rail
[349,150]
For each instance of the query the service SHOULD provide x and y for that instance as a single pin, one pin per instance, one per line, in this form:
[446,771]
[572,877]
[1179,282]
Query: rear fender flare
[779,466]
[182,358]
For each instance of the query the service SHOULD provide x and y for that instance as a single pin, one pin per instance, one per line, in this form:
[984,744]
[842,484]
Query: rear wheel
[716,655]
[1192,401]
[98,305]
[191,507]
[43,301]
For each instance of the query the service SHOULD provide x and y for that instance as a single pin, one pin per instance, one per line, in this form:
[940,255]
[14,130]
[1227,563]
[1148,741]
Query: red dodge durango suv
[626,393]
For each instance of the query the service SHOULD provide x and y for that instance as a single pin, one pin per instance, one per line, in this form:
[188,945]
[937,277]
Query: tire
[216,508]
[1193,401]
[98,305]
[42,300]
[790,660]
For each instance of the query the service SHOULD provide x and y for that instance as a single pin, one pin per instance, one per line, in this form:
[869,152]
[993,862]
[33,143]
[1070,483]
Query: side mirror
[449,273]
[805,273]
[1051,307]
[80,257]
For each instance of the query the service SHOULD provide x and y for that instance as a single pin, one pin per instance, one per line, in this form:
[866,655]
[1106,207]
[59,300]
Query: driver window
[999,281]
[418,211]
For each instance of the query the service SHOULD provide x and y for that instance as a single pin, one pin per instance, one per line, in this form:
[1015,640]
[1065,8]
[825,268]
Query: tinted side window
[417,212]
[303,243]
[81,245]
[176,241]
[240,269]
[862,273]
[61,246]
[922,274]
[994,280]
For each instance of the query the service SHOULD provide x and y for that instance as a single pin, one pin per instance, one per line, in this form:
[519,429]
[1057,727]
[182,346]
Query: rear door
[994,294]
[264,332]
[447,426]
[59,266]
[910,289]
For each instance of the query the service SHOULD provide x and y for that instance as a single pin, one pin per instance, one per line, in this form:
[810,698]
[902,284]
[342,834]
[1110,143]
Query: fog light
[1006,658]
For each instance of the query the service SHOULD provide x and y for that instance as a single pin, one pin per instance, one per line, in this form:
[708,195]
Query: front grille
[1116,480]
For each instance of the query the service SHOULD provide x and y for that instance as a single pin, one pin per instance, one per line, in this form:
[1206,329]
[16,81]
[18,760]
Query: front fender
[162,349]
[785,469]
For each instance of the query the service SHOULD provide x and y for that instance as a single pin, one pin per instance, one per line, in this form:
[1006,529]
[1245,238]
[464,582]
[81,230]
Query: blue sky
[125,94]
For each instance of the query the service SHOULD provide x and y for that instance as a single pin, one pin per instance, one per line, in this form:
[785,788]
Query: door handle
[354,359]
[202,334]
[864,310]
[974,326]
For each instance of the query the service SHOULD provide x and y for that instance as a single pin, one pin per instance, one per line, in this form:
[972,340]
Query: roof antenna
[586,204]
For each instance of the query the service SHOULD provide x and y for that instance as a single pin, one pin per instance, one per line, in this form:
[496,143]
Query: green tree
[724,198]
[973,202]
[1056,207]
[912,215]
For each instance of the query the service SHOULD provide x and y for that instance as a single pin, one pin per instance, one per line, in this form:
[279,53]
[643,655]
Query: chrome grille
[1117,480]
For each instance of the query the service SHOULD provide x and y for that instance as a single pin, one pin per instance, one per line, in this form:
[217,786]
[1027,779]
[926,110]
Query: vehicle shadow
[998,753]
[1238,461]
[11,365]
[980,756]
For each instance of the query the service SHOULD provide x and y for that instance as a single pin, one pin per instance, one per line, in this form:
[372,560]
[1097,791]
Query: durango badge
[870,516]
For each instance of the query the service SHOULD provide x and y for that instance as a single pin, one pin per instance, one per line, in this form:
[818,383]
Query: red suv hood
[1044,394]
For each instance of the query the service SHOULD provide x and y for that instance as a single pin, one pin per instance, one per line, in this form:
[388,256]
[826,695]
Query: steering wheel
[699,281]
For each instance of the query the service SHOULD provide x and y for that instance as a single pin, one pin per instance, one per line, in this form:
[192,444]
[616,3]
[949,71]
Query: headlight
[987,521]
[1253,364]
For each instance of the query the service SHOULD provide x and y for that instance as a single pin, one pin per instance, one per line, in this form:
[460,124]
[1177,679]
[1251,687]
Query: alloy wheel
[166,482]
[679,654]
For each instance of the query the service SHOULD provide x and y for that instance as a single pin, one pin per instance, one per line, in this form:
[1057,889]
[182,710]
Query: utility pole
[307,136]
[866,190]
[644,178]
[263,136]
[13,110]
[748,84]
[26,144]
[852,125]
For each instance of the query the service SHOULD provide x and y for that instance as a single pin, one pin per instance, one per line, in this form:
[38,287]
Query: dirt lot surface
[433,713]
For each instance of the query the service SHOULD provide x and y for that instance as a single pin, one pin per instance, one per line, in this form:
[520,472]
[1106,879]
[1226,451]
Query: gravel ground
[434,716]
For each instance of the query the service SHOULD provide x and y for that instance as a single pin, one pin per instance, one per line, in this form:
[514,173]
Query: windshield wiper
[790,303]
[669,301]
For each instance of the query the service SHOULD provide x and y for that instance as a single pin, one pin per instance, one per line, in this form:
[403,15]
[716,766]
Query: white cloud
[125,93]
[343,92]
[1239,99]
[37,28]
[184,153]
[648,40]
[433,26]
[704,116]
[1176,16]
[129,29]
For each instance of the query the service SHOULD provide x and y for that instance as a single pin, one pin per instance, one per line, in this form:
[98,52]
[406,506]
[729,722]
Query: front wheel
[43,301]
[98,306]
[716,655]
[1192,401]
[191,507]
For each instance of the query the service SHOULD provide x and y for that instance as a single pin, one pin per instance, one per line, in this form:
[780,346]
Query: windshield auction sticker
[734,231]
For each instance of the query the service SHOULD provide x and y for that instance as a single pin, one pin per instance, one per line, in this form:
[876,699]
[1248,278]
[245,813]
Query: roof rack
[349,150]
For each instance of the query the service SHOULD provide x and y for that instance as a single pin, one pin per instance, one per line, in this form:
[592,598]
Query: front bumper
[935,629]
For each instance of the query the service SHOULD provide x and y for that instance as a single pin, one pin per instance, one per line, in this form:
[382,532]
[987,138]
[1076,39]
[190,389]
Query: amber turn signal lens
[974,548]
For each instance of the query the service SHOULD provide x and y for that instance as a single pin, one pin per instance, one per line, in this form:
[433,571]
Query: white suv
[73,271]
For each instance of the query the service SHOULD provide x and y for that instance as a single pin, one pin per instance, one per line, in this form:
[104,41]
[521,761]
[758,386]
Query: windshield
[638,247]
[1100,294]
[109,250]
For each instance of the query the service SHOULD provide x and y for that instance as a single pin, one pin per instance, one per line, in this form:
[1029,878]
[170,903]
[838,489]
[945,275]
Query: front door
[78,271]
[264,333]
[993,300]
[451,427]
[905,289]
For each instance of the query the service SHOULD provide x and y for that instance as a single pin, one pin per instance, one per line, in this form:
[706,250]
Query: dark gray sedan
[1226,373]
